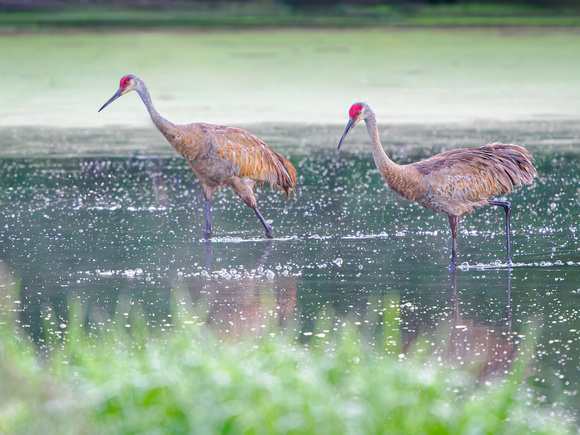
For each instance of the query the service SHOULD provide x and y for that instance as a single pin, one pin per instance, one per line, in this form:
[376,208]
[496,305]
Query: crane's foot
[453,266]
[267,227]
[206,233]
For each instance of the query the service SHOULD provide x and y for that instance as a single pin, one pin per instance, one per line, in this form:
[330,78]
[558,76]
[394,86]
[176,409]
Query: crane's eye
[355,110]
[125,82]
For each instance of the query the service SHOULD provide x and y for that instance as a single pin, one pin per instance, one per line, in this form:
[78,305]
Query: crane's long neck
[385,165]
[160,122]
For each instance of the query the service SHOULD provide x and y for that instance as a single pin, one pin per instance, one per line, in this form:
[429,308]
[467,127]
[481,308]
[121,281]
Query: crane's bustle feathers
[250,157]
[458,181]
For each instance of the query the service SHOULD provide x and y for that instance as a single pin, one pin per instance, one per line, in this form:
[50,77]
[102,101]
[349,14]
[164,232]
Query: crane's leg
[208,193]
[454,224]
[244,188]
[268,228]
[508,213]
[207,231]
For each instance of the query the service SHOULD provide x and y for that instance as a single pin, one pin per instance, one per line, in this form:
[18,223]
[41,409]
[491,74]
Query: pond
[115,219]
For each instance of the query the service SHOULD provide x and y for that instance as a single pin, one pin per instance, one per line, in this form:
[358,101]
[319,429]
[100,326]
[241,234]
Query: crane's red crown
[124,82]
[355,110]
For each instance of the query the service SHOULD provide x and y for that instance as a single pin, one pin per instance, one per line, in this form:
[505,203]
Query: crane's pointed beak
[113,98]
[349,126]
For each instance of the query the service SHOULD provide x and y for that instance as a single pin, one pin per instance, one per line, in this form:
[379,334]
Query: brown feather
[217,153]
[457,181]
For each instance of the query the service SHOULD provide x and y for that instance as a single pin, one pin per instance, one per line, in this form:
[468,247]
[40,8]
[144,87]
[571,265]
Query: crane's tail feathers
[516,168]
[285,174]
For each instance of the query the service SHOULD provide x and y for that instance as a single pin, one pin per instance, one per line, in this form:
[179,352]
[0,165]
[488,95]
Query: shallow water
[116,220]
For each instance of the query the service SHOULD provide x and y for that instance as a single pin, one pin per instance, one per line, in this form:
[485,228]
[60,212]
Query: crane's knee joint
[506,205]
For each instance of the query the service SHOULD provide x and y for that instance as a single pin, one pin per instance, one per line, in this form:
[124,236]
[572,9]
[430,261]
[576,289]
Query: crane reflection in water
[243,305]
[492,346]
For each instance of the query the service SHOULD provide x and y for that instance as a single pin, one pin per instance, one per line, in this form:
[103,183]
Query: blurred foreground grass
[125,377]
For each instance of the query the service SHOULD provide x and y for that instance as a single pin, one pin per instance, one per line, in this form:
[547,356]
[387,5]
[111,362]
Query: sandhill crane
[453,182]
[219,155]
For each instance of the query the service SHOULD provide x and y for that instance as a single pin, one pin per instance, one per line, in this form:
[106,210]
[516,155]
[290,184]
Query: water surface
[116,220]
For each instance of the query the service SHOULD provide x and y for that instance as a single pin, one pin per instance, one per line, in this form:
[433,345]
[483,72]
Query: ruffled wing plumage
[249,157]
[458,181]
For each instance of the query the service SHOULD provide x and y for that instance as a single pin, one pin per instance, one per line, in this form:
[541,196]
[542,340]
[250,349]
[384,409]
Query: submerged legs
[207,230]
[268,228]
[508,212]
[454,224]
